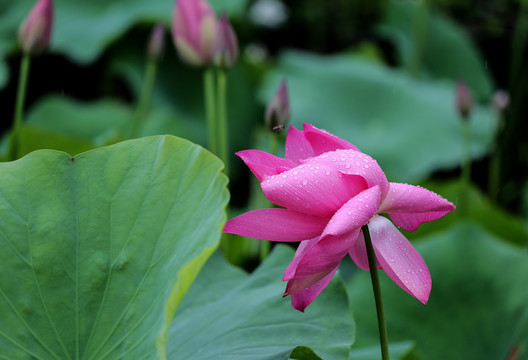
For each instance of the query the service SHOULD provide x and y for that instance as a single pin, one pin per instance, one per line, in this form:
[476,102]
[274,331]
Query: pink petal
[276,225]
[323,141]
[318,260]
[355,163]
[400,260]
[297,147]
[355,213]
[312,189]
[302,298]
[263,164]
[410,205]
[301,249]
[358,253]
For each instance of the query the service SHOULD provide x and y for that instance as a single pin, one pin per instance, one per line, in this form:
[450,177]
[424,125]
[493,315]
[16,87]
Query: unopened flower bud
[278,110]
[500,101]
[35,32]
[464,100]
[156,41]
[226,44]
[194,30]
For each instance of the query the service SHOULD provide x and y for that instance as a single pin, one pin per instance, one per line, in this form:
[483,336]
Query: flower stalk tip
[156,42]
[278,109]
[464,100]
[226,44]
[34,33]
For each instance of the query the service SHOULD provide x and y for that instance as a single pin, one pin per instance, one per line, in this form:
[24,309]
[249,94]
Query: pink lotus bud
[194,29]
[278,110]
[500,101]
[226,44]
[464,100]
[156,42]
[35,32]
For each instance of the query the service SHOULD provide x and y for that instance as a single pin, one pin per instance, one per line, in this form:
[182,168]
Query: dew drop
[304,182]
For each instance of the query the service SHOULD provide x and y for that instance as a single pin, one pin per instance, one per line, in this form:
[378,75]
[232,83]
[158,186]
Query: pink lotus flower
[194,29]
[35,32]
[328,190]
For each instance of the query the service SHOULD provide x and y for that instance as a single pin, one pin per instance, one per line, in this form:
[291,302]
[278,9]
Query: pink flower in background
[226,44]
[194,29]
[328,190]
[35,32]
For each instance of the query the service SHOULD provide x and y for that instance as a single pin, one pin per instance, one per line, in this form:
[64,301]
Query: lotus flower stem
[223,139]
[465,175]
[144,96]
[419,34]
[19,107]
[210,109]
[384,344]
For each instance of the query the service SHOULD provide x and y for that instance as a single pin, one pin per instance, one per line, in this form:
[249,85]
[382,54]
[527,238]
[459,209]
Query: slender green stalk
[384,343]
[419,35]
[465,175]
[19,107]
[223,139]
[495,165]
[210,109]
[144,97]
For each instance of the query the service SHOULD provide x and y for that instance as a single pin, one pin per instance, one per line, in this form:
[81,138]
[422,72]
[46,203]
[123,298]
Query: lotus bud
[464,100]
[194,30]
[35,32]
[278,110]
[500,101]
[226,44]
[156,41]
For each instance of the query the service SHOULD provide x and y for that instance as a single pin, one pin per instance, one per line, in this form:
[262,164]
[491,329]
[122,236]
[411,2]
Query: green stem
[144,97]
[419,35]
[210,109]
[223,140]
[384,343]
[19,107]
[465,175]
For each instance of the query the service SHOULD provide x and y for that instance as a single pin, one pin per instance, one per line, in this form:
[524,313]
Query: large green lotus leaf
[478,308]
[231,315]
[409,126]
[98,250]
[448,52]
[506,226]
[83,29]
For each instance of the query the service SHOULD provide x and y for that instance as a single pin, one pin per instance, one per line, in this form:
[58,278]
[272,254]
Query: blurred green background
[380,74]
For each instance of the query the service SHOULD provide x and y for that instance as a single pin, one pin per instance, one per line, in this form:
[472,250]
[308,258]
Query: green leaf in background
[83,29]
[68,125]
[478,308]
[496,221]
[178,91]
[98,250]
[409,126]
[442,37]
[231,315]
